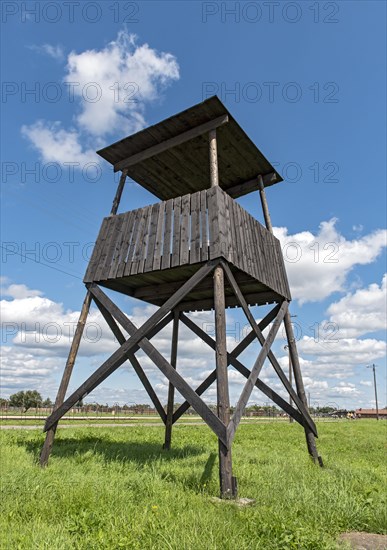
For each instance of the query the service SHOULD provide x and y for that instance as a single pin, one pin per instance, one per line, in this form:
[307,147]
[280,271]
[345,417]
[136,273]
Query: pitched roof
[184,168]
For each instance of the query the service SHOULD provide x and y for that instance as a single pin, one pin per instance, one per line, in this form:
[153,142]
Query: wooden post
[49,441]
[171,388]
[47,446]
[227,482]
[310,440]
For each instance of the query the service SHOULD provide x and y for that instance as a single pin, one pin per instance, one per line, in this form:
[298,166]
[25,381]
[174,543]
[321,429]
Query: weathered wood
[204,226]
[201,408]
[195,229]
[184,229]
[50,435]
[309,435]
[251,185]
[232,360]
[172,142]
[159,238]
[152,238]
[309,432]
[171,388]
[93,263]
[249,386]
[118,195]
[132,243]
[126,232]
[118,357]
[132,359]
[214,172]
[271,356]
[139,247]
[46,450]
[176,232]
[166,259]
[227,487]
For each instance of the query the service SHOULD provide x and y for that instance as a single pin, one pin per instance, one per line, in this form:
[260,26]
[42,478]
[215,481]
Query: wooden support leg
[171,388]
[227,482]
[47,446]
[310,439]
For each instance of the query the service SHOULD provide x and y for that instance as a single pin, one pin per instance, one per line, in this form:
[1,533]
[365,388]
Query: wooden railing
[187,230]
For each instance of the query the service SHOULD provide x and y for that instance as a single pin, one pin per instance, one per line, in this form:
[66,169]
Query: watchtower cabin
[194,249]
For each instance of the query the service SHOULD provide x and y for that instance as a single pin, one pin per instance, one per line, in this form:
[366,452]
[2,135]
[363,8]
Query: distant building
[371,413]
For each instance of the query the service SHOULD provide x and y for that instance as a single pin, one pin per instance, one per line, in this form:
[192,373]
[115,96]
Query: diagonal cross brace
[253,377]
[133,359]
[165,367]
[232,359]
[237,351]
[118,358]
[271,355]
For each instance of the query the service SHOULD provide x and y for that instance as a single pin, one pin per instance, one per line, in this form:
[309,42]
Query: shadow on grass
[133,451]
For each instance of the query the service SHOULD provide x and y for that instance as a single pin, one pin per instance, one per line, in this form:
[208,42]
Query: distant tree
[3,402]
[26,400]
[47,402]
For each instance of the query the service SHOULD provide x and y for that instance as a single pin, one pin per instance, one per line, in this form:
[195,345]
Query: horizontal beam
[251,185]
[260,298]
[172,142]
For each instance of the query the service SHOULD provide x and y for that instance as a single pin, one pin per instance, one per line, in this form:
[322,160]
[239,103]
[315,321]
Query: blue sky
[306,80]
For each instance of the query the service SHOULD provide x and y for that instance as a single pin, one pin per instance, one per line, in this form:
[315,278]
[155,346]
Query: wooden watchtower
[197,249]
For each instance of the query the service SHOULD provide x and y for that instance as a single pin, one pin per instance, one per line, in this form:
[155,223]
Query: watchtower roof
[170,158]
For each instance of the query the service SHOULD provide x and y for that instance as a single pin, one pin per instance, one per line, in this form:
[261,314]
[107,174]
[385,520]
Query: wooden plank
[159,237]
[139,245]
[132,243]
[104,248]
[249,186]
[166,259]
[117,247]
[222,222]
[171,389]
[93,263]
[213,223]
[145,241]
[194,256]
[126,232]
[185,229]
[152,238]
[169,143]
[176,232]
[203,226]
[110,247]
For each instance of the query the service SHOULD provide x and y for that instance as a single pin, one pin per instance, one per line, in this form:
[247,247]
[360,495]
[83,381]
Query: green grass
[110,489]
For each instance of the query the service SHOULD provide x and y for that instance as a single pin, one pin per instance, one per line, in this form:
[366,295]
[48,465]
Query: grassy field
[110,489]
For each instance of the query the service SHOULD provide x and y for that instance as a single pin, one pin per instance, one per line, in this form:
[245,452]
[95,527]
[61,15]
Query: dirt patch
[364,541]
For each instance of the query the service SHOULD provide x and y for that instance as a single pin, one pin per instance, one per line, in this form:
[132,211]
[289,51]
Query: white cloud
[318,265]
[367,383]
[361,312]
[345,351]
[113,85]
[20,291]
[123,77]
[21,369]
[56,52]
[58,145]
